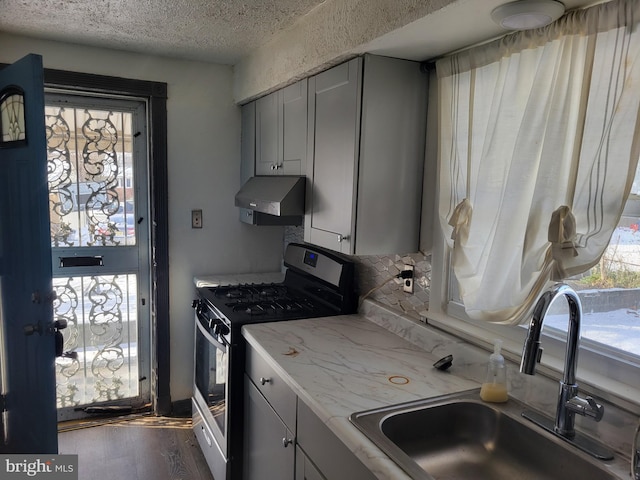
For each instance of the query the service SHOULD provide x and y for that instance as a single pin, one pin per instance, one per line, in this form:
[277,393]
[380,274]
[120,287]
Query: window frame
[155,93]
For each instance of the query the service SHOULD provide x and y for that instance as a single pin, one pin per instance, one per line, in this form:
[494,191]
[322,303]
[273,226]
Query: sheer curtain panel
[538,147]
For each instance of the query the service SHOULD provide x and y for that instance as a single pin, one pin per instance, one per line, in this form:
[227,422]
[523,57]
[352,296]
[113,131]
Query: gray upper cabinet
[281,131]
[367,121]
[247,153]
[247,142]
[274,142]
[334,128]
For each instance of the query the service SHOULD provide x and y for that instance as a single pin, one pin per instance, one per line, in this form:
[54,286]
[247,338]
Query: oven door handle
[225,342]
[220,343]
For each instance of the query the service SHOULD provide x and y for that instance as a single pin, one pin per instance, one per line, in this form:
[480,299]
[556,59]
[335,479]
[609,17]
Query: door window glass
[12,120]
[91,186]
[101,314]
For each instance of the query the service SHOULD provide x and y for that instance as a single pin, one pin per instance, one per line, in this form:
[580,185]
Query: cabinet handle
[206,437]
[264,380]
[276,166]
[286,442]
[341,238]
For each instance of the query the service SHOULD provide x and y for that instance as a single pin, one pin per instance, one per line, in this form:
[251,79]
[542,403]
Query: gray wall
[204,172]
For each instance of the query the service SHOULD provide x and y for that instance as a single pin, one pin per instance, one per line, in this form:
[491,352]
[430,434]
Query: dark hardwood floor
[139,448]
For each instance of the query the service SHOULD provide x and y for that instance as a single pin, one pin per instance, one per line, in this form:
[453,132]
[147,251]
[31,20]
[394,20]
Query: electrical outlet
[196,218]
[407,283]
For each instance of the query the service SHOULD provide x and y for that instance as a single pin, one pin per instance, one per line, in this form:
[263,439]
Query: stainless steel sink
[460,437]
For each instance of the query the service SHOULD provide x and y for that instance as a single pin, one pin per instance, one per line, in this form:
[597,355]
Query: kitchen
[202,112]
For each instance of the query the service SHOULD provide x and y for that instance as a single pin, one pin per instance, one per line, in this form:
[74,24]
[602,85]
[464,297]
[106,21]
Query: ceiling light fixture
[527,14]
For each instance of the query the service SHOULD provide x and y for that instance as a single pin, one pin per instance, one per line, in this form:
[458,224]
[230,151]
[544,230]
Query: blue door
[27,333]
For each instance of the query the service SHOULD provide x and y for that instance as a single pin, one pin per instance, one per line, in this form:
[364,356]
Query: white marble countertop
[345,364]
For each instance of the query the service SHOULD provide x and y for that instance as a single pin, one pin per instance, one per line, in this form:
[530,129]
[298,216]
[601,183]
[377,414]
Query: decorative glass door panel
[101,317]
[99,237]
[90,177]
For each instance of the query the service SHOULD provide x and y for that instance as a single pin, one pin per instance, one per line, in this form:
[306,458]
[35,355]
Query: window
[610,291]
[609,358]
[550,132]
[12,117]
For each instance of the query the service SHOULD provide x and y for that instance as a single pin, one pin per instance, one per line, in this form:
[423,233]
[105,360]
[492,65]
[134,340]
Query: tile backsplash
[375,277]
[376,280]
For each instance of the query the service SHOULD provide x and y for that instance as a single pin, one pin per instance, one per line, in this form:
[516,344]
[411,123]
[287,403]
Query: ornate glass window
[12,117]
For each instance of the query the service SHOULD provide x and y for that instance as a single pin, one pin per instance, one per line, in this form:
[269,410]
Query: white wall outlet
[196,218]
[407,283]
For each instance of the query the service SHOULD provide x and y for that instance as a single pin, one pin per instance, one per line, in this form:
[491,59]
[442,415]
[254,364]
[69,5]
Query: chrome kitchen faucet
[569,403]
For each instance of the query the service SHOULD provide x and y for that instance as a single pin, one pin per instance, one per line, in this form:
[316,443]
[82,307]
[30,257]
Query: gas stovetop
[264,302]
[317,283]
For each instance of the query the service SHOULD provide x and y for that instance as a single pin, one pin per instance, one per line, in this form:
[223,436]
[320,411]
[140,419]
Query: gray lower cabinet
[283,438]
[269,422]
[305,469]
[367,123]
[328,454]
[269,446]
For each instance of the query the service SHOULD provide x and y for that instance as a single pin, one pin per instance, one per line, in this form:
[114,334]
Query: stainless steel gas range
[317,283]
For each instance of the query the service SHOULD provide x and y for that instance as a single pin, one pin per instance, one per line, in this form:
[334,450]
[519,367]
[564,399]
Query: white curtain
[539,143]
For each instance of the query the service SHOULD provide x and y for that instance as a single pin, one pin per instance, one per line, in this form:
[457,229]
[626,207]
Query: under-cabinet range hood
[282,196]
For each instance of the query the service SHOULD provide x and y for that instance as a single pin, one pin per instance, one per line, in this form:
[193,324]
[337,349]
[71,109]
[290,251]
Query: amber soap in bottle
[494,388]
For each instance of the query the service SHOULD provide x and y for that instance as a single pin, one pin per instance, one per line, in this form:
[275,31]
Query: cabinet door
[247,153]
[305,470]
[268,141]
[271,385]
[269,446]
[281,131]
[294,125]
[329,455]
[248,142]
[334,111]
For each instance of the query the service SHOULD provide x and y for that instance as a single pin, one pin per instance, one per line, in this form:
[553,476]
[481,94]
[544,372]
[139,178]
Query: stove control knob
[195,304]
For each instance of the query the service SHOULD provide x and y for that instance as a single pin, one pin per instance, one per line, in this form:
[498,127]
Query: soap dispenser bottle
[494,388]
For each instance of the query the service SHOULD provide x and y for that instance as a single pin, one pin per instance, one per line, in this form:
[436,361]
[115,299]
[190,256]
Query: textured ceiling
[220,31]
[269,42]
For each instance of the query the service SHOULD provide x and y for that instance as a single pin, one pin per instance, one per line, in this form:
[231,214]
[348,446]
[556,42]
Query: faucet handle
[596,411]
[586,407]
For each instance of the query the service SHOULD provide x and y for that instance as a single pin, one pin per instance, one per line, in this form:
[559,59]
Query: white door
[98,207]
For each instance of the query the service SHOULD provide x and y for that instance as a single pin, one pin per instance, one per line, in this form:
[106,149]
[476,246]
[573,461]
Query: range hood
[280,195]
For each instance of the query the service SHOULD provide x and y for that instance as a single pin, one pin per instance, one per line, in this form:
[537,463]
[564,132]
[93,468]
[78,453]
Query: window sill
[594,369]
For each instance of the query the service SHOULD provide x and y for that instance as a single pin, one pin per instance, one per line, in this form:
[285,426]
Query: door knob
[60,324]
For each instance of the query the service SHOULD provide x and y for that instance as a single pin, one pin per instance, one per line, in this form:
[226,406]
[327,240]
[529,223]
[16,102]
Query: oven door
[211,380]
